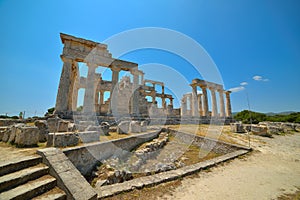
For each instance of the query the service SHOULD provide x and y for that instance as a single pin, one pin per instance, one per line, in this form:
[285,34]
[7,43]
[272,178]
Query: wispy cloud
[259,78]
[243,83]
[237,89]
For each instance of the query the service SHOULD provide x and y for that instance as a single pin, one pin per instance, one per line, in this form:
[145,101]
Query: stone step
[54,194]
[17,178]
[14,165]
[30,189]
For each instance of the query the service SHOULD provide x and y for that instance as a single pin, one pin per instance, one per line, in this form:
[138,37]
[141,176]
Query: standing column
[101,97]
[163,100]
[171,102]
[183,106]
[65,89]
[195,110]
[205,101]
[228,104]
[114,82]
[75,92]
[214,111]
[162,89]
[134,106]
[221,99]
[200,104]
[89,95]
[190,100]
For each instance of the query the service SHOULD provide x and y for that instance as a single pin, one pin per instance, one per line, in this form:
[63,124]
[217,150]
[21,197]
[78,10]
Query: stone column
[65,89]
[200,104]
[194,103]
[228,104]
[135,108]
[75,92]
[171,101]
[221,99]
[183,106]
[163,101]
[189,96]
[214,110]
[163,89]
[89,95]
[115,77]
[205,101]
[101,97]
[153,95]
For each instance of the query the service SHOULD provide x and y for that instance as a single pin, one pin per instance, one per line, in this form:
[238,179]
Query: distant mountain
[280,113]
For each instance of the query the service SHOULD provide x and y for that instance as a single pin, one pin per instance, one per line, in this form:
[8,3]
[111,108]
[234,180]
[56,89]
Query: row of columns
[199,102]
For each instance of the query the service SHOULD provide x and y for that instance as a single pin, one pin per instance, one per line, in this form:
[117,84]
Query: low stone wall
[216,146]
[85,158]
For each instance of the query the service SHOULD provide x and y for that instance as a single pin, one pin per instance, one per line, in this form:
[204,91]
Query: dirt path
[272,170]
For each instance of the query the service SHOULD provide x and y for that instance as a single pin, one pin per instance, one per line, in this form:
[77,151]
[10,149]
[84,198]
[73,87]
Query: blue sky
[246,39]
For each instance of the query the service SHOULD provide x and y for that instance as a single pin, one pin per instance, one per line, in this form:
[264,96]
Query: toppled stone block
[9,122]
[43,128]
[237,128]
[6,135]
[104,128]
[144,126]
[275,130]
[63,126]
[14,129]
[27,136]
[53,124]
[288,127]
[135,127]
[89,136]
[62,139]
[123,127]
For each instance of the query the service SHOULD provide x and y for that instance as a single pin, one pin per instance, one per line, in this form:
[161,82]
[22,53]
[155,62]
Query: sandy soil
[270,171]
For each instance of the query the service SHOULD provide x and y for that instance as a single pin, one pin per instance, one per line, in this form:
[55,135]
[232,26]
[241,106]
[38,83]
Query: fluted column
[171,102]
[228,104]
[101,97]
[163,101]
[65,89]
[89,95]
[195,110]
[214,110]
[200,104]
[134,106]
[183,106]
[221,99]
[205,101]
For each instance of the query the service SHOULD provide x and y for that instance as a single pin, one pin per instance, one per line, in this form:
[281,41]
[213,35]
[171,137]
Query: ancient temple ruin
[198,102]
[128,97]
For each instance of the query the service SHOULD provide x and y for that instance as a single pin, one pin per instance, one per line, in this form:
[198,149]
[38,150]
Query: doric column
[194,103]
[134,106]
[171,102]
[221,99]
[190,99]
[153,95]
[183,106]
[101,97]
[228,104]
[205,101]
[163,89]
[163,101]
[214,110]
[75,92]
[65,89]
[97,98]
[89,95]
[115,76]
[200,104]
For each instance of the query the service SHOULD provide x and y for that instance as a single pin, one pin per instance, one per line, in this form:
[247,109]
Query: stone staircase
[28,178]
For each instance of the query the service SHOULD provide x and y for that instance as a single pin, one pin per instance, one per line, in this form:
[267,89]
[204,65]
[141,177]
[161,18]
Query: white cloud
[237,89]
[260,78]
[243,83]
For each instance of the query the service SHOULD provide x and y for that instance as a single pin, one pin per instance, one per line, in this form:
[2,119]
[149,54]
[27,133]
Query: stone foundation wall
[85,158]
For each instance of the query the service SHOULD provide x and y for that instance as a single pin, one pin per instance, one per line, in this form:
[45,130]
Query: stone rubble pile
[266,128]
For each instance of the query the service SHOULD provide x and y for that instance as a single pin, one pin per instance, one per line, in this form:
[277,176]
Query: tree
[248,117]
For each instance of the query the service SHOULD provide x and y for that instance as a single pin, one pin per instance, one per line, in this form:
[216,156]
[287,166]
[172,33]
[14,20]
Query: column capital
[91,65]
[115,68]
[66,59]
